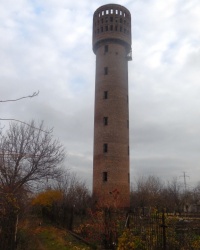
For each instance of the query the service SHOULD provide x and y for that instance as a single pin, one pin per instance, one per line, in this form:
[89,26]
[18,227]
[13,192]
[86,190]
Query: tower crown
[112,22]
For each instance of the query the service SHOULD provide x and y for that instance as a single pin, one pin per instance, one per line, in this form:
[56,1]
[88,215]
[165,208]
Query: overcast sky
[46,45]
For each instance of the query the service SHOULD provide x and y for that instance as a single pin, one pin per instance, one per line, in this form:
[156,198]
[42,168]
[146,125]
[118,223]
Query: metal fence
[162,231]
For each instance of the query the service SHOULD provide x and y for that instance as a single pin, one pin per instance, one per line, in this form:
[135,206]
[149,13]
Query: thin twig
[15,120]
[24,97]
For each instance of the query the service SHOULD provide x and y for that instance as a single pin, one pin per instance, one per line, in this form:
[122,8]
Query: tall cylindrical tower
[112,46]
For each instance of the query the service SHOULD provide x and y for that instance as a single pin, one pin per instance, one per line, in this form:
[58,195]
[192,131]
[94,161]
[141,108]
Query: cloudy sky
[46,45]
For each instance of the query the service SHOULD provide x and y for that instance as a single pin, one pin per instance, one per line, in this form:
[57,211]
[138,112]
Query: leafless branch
[23,97]
[30,125]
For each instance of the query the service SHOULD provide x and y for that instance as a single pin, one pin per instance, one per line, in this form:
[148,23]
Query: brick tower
[112,46]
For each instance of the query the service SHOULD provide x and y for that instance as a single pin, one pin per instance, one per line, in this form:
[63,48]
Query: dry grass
[34,235]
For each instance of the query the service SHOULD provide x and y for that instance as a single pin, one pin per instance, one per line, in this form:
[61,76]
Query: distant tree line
[152,192]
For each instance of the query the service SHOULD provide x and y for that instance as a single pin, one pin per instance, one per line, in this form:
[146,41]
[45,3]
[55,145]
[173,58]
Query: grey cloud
[47,46]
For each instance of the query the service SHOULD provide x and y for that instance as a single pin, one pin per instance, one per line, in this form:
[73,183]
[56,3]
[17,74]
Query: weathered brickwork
[112,46]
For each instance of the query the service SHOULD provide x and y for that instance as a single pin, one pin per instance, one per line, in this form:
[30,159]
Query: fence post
[164,230]
[71,220]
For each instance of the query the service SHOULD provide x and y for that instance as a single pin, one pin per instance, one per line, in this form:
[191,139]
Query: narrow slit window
[105,95]
[106,49]
[105,121]
[105,70]
[105,147]
[105,176]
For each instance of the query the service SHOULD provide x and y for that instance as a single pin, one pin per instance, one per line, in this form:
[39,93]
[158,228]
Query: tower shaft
[111,44]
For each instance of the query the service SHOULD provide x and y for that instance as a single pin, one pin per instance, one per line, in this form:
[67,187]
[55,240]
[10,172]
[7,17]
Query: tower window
[105,95]
[106,49]
[105,176]
[105,147]
[105,70]
[105,121]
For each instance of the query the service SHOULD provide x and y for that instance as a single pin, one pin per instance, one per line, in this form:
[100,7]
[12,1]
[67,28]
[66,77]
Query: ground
[36,235]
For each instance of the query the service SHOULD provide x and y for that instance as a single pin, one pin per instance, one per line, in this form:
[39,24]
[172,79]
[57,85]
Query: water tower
[112,47]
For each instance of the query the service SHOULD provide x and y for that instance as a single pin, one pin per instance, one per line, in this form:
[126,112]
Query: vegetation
[33,185]
[34,235]
[27,156]
[149,193]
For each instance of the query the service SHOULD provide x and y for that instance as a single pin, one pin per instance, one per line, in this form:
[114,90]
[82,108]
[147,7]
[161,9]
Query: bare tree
[174,193]
[75,191]
[27,156]
[147,193]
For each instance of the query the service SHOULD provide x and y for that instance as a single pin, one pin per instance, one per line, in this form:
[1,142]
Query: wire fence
[161,231]
[145,230]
